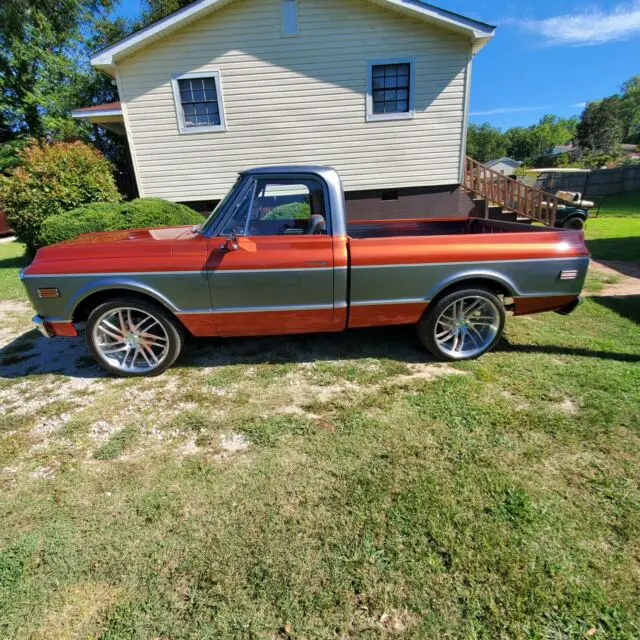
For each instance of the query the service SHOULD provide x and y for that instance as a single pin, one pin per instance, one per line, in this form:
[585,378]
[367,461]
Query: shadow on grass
[615,248]
[554,350]
[16,262]
[625,306]
[32,354]
[623,267]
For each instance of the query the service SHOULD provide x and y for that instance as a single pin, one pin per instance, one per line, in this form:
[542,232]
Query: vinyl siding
[296,100]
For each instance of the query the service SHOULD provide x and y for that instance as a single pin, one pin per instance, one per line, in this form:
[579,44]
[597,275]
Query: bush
[291,211]
[107,216]
[51,179]
[156,212]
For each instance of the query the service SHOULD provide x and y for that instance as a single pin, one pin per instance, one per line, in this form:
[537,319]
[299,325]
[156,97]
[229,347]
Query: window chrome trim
[182,125]
[402,115]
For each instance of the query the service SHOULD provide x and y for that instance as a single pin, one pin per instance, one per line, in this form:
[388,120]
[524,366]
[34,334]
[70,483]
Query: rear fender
[503,281]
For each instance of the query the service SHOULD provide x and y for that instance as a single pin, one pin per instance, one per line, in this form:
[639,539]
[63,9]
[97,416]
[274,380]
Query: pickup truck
[277,256]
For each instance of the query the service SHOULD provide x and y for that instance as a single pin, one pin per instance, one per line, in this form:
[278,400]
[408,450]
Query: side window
[287,207]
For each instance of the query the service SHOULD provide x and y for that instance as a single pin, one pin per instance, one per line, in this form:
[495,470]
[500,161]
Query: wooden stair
[498,197]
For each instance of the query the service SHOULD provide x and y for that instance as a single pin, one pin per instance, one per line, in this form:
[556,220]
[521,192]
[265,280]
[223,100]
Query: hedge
[291,211]
[51,179]
[106,216]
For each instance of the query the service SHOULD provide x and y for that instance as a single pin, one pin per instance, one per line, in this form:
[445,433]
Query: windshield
[222,205]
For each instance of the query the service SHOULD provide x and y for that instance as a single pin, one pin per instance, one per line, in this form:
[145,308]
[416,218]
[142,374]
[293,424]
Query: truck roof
[290,168]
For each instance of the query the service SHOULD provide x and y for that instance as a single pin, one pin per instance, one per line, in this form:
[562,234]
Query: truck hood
[161,235]
[107,250]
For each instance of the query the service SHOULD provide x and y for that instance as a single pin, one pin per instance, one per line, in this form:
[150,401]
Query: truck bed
[408,228]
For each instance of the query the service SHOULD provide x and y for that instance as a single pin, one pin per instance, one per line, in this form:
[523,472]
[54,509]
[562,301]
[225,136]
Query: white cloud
[591,27]
[493,112]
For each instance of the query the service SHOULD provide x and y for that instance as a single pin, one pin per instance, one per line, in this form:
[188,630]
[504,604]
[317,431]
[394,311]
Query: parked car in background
[277,256]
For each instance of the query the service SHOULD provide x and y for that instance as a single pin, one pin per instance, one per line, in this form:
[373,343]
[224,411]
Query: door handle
[317,262]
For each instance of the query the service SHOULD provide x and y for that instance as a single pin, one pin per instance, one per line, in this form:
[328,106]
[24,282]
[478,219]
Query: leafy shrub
[291,211]
[109,216]
[156,212]
[51,179]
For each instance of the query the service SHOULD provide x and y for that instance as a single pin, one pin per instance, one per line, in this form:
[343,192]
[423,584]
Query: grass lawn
[615,233]
[11,261]
[331,486]
[337,486]
[621,205]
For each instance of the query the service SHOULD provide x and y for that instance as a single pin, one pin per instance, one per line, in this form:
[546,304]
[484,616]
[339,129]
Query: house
[506,166]
[378,89]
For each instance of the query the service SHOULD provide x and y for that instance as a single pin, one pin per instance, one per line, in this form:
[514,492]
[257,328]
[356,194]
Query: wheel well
[482,283]
[82,311]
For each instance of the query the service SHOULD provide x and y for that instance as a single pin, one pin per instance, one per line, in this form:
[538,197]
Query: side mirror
[230,244]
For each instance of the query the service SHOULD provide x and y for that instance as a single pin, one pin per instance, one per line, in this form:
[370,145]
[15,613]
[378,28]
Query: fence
[601,182]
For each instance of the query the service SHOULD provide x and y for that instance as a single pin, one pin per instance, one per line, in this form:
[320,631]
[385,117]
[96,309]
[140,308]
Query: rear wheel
[133,338]
[463,325]
[575,223]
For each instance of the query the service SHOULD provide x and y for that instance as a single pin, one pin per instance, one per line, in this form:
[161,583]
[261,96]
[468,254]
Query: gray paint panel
[289,288]
[175,290]
[424,281]
[322,288]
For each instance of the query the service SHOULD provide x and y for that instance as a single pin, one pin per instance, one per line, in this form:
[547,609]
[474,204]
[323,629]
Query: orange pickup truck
[278,256]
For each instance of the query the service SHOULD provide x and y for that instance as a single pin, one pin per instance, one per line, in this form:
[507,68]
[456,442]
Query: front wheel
[462,325]
[131,337]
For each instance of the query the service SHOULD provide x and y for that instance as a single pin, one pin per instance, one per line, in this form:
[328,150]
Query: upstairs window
[289,17]
[391,89]
[199,102]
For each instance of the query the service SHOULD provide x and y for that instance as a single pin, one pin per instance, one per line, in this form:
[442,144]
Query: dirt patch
[567,406]
[426,372]
[626,273]
[78,612]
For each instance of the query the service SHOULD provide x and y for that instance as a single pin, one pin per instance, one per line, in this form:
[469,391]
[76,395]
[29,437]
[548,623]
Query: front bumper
[571,307]
[51,328]
[39,324]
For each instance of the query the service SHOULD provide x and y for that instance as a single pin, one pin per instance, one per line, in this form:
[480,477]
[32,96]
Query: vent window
[289,17]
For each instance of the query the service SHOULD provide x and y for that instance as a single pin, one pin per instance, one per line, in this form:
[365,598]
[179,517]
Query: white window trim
[182,126]
[409,115]
[283,33]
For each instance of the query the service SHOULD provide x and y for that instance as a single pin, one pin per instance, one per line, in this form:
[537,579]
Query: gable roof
[479,33]
[510,162]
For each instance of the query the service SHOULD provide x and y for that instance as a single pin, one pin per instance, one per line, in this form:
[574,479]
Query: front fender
[115,283]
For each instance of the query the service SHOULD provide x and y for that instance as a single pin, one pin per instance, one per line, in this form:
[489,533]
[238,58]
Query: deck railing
[498,189]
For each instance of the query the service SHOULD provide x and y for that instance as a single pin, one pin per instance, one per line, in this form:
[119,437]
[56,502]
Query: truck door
[270,270]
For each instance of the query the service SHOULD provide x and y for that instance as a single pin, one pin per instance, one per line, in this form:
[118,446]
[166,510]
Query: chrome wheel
[467,327]
[131,340]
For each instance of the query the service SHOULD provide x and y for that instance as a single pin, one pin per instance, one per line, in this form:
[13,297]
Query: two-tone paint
[366,274]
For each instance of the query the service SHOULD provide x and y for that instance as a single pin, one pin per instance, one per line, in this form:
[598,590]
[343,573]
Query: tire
[450,335]
[576,223]
[148,351]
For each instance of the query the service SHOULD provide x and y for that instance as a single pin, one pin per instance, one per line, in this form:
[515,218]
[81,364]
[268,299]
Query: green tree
[631,109]
[528,144]
[153,10]
[485,142]
[602,126]
[41,46]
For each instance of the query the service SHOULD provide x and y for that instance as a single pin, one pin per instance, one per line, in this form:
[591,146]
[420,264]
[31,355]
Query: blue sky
[549,56]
